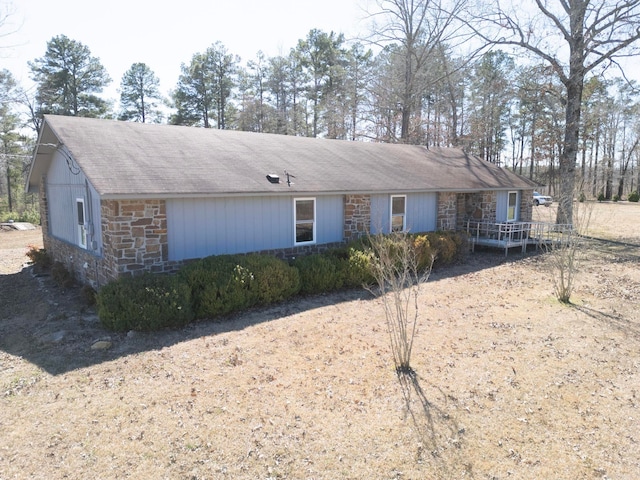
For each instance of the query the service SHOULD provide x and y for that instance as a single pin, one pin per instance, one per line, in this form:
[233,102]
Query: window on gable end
[81,223]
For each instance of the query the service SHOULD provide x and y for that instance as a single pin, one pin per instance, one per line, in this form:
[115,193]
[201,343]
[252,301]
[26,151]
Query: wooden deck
[516,234]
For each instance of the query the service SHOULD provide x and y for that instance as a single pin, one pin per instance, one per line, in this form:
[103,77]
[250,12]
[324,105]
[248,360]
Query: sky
[166,34]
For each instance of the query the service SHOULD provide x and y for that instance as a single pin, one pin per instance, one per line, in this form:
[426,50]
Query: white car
[539,199]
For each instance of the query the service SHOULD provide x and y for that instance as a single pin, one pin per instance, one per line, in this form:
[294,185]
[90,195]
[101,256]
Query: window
[512,212]
[398,213]
[305,220]
[81,228]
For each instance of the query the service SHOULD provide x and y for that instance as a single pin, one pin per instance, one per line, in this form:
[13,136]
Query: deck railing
[516,234]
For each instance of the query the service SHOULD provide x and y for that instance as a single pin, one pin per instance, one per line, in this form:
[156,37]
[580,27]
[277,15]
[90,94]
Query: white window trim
[515,207]
[296,222]
[404,214]
[81,228]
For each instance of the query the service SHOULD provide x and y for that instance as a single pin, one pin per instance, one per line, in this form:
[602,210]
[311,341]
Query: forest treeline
[408,83]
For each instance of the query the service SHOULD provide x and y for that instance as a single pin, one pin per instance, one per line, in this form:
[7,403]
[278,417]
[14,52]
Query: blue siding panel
[64,184]
[330,221]
[200,227]
[421,211]
[380,205]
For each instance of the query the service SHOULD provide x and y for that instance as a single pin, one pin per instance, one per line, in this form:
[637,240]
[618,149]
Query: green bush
[317,273]
[29,215]
[582,197]
[356,270]
[601,197]
[634,197]
[219,285]
[352,266]
[145,303]
[616,198]
[222,284]
[273,279]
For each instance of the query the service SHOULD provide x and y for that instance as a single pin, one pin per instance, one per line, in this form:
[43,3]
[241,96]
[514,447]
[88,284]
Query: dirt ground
[509,384]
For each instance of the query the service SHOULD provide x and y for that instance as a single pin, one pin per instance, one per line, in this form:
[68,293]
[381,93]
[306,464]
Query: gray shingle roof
[123,159]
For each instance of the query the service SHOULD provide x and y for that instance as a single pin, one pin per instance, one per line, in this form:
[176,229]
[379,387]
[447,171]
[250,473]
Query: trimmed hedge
[222,284]
[144,303]
[226,283]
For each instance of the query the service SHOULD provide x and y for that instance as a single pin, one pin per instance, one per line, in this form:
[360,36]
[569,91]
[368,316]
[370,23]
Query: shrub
[144,303]
[352,266]
[424,252]
[601,197]
[357,269]
[444,248]
[39,257]
[317,274]
[616,198]
[29,215]
[582,197]
[88,294]
[634,197]
[219,285]
[273,279]
[61,275]
[222,284]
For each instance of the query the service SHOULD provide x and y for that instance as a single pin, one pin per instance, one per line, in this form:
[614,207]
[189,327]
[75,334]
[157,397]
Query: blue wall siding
[502,204]
[215,226]
[330,218]
[64,185]
[422,212]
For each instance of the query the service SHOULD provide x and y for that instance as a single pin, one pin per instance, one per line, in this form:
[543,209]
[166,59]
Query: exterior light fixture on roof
[273,178]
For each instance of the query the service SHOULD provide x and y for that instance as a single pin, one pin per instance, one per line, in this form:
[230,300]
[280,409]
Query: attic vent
[273,178]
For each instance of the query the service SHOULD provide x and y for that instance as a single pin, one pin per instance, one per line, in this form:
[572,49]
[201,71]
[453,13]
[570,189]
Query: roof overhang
[46,147]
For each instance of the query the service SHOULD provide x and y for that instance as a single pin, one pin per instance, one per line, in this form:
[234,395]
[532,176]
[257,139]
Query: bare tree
[575,37]
[419,27]
[7,27]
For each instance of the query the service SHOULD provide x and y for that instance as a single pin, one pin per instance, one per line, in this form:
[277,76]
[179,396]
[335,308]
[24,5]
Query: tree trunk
[570,151]
[574,84]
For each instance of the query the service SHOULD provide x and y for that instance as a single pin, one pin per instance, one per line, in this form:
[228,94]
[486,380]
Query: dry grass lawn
[510,384]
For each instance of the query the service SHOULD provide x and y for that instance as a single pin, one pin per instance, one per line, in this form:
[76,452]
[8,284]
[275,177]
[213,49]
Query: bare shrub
[564,246]
[395,267]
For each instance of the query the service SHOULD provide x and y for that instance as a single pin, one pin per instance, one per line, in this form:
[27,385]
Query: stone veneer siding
[478,206]
[357,216]
[447,211]
[526,206]
[134,234]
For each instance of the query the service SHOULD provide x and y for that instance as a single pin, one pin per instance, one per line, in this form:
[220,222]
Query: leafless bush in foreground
[564,246]
[398,278]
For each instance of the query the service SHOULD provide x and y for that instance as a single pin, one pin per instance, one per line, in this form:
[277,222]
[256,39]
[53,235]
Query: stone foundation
[86,268]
